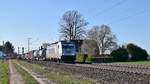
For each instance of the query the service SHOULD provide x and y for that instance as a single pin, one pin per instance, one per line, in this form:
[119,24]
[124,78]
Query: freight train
[61,51]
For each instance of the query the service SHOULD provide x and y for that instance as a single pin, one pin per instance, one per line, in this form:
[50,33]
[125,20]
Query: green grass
[28,79]
[4,72]
[56,75]
[144,63]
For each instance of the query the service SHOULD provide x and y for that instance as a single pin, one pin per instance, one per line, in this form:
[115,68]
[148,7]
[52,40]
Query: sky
[39,19]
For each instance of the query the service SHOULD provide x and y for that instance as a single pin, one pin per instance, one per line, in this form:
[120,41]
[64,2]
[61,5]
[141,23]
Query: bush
[121,54]
[101,59]
[80,58]
[136,52]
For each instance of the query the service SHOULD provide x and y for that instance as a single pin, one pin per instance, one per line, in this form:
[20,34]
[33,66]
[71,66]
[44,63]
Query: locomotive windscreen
[68,48]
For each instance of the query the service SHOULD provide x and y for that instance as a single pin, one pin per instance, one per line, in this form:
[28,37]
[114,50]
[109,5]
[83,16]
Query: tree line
[97,41]
[7,48]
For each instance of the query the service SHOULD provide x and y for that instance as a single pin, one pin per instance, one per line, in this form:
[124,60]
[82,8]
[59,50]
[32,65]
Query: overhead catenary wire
[108,9]
[130,16]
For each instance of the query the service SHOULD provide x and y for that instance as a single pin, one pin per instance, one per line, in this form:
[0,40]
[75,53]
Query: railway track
[118,73]
[137,69]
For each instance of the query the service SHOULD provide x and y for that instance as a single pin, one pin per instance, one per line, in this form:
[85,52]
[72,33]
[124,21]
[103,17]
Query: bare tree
[90,47]
[72,25]
[93,33]
[105,39]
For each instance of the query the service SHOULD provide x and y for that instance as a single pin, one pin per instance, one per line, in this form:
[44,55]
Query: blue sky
[39,19]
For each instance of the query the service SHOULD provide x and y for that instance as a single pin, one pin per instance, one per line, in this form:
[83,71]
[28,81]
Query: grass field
[25,75]
[4,72]
[55,75]
[145,63]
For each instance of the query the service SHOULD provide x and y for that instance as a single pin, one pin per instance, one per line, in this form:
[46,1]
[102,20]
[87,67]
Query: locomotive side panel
[52,52]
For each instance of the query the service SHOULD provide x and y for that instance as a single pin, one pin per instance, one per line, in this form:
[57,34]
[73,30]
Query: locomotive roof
[59,41]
